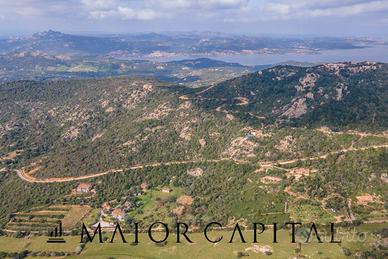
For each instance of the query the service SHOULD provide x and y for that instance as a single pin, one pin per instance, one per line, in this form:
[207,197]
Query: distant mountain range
[39,65]
[155,45]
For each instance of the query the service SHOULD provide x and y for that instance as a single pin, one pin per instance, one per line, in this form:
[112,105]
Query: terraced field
[43,219]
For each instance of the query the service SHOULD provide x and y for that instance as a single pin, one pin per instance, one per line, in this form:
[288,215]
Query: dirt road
[29,178]
[324,156]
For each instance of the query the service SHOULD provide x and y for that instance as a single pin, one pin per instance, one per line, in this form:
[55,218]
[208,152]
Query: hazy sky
[317,17]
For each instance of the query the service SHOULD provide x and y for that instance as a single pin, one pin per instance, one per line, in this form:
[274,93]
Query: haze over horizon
[359,18]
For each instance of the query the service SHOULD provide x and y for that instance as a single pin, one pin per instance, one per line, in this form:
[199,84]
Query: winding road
[29,178]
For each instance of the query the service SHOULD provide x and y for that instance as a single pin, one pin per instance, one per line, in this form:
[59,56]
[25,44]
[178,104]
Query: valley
[282,144]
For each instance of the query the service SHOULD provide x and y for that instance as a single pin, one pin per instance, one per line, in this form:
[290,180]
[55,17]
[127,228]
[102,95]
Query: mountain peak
[48,34]
[344,94]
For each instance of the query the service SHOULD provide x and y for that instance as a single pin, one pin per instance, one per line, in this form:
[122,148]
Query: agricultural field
[202,248]
[46,218]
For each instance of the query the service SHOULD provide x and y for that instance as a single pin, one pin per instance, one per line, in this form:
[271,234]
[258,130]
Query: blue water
[375,53]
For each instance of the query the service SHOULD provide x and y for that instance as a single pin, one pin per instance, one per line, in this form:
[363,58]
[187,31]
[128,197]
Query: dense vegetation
[336,95]
[244,160]
[16,195]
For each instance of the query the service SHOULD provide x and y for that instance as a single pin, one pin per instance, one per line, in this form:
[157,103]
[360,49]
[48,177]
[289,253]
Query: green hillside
[284,144]
[350,95]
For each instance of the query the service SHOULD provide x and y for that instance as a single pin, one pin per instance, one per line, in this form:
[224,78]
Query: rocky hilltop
[339,94]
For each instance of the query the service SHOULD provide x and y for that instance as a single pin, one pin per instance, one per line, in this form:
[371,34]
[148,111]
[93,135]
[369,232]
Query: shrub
[78,249]
[161,244]
[19,234]
[242,254]
[346,251]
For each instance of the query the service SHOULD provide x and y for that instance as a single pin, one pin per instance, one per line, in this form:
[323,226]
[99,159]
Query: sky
[253,17]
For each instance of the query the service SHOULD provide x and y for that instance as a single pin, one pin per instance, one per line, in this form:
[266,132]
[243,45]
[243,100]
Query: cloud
[99,4]
[115,9]
[355,9]
[29,11]
[201,4]
[142,14]
[218,10]
[154,9]
[33,9]
[101,14]
[301,8]
[258,15]
[281,10]
[278,8]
